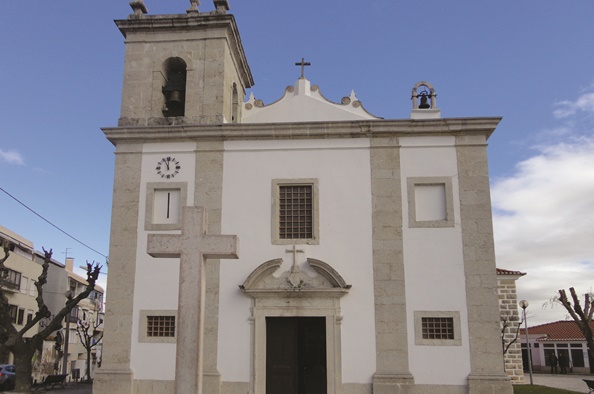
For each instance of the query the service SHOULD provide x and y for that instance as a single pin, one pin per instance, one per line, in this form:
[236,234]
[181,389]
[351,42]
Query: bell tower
[182,69]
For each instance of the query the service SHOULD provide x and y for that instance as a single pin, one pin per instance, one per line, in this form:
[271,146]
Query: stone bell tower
[182,69]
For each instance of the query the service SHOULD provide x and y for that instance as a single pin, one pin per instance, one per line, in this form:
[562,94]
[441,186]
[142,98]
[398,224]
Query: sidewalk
[72,388]
[567,382]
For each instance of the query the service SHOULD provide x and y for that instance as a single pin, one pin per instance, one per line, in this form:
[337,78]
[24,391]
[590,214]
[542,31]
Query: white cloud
[12,157]
[544,223]
[567,108]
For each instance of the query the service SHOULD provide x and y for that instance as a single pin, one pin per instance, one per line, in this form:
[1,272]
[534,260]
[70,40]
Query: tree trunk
[24,367]
[88,364]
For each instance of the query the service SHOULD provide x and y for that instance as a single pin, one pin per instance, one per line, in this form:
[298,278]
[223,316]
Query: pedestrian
[553,362]
[563,361]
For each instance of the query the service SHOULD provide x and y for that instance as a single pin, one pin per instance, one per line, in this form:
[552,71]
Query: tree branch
[42,309]
[563,300]
[56,323]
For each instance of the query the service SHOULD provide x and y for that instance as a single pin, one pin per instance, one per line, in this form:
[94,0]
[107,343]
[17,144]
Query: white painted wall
[434,268]
[157,280]
[342,168]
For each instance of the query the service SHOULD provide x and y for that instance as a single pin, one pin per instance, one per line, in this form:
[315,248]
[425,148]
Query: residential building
[88,313]
[24,266]
[19,285]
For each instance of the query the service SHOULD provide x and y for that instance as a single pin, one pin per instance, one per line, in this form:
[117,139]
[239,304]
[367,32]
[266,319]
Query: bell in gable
[424,104]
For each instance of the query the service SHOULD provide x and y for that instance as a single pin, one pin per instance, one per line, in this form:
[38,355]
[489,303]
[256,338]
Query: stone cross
[294,251]
[294,277]
[192,247]
[303,64]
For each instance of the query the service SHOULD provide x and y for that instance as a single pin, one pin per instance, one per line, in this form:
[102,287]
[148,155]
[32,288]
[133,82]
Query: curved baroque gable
[327,283]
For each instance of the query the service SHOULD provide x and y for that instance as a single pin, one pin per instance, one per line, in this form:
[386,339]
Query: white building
[561,338]
[366,260]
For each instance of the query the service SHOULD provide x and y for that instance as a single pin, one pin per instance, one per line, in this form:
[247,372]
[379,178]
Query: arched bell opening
[174,91]
[423,96]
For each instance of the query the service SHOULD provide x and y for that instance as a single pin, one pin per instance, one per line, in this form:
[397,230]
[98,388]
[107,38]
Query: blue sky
[530,62]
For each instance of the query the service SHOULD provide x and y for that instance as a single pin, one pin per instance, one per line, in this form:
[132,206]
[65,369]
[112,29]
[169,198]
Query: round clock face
[168,167]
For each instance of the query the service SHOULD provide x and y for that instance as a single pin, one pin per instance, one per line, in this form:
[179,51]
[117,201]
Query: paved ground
[568,382]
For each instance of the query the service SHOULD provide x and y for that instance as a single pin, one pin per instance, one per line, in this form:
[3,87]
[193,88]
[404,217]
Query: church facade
[303,246]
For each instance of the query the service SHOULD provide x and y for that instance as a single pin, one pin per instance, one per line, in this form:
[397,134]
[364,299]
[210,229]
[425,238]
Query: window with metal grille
[160,326]
[295,211]
[437,327]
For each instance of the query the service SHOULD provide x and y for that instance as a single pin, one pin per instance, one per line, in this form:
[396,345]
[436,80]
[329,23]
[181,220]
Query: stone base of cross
[192,247]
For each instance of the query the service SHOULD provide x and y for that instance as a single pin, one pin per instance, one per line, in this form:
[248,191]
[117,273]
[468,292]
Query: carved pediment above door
[328,283]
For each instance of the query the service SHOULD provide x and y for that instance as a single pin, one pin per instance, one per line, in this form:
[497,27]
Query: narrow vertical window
[296,212]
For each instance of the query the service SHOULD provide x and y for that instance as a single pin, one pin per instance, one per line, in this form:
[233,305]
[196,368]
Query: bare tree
[86,330]
[13,339]
[510,331]
[581,316]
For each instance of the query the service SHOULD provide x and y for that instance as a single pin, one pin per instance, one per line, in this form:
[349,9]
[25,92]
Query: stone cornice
[186,23]
[308,130]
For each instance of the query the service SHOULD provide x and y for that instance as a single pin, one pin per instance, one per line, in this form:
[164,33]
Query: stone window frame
[420,341]
[314,183]
[143,326]
[412,182]
[151,187]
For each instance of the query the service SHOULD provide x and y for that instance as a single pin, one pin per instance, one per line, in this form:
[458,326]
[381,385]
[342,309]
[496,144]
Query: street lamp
[524,305]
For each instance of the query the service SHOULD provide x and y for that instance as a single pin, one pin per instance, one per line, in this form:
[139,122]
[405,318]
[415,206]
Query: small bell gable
[424,102]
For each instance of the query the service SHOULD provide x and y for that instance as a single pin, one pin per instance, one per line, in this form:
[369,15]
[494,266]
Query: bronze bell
[175,92]
[424,104]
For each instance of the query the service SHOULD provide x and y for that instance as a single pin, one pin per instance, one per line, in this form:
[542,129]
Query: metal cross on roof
[303,63]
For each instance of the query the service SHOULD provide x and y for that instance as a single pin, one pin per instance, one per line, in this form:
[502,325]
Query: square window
[430,202]
[437,328]
[160,326]
[157,326]
[295,211]
[164,201]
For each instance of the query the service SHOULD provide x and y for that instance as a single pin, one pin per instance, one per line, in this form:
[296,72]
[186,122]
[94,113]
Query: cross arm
[163,245]
[221,247]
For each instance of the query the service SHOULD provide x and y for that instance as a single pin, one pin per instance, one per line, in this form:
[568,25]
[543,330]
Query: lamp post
[524,304]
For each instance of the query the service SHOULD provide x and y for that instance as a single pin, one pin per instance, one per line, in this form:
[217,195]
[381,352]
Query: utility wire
[53,225]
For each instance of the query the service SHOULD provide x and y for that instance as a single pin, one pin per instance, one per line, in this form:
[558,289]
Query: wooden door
[296,355]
